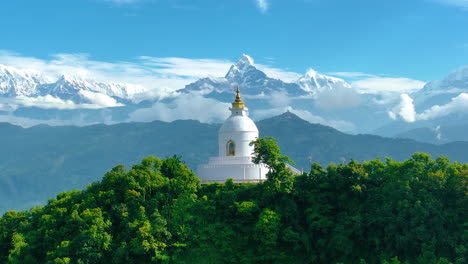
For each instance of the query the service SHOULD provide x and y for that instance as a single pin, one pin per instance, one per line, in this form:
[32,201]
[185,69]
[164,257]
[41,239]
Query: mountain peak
[441,92]
[13,71]
[288,115]
[243,65]
[14,82]
[314,82]
[311,73]
[68,78]
[245,60]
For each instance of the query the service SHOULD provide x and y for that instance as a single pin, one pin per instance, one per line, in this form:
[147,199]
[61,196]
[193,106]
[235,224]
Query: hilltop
[37,162]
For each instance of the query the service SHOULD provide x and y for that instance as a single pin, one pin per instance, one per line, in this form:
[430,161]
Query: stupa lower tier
[239,169]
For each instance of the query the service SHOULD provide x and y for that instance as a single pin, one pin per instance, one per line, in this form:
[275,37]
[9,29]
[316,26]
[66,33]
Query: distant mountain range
[440,92]
[17,82]
[38,162]
[438,134]
[441,111]
[314,96]
[28,97]
[255,82]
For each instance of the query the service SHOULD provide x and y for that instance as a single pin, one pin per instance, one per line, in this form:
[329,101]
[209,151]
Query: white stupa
[235,154]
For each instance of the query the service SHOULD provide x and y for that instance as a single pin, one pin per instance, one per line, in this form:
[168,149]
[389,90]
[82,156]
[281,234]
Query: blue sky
[409,40]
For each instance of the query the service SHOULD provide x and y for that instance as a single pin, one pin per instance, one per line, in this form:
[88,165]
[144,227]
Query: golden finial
[238,102]
[238,99]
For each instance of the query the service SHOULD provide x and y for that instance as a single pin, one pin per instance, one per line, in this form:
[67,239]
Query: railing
[227,165]
[294,170]
[235,181]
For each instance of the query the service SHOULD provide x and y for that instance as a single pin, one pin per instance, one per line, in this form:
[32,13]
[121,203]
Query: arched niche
[230,148]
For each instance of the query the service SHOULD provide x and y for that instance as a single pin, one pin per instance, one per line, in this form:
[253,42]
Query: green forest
[376,211]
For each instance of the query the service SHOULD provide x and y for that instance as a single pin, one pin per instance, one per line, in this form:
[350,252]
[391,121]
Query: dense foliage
[38,162]
[157,212]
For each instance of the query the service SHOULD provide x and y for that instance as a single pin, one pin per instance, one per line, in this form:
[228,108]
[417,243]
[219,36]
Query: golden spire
[238,102]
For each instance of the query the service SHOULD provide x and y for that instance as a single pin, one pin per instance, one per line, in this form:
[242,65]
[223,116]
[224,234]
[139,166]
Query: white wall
[237,172]
[241,139]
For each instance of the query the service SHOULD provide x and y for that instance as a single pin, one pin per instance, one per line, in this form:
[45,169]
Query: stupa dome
[240,123]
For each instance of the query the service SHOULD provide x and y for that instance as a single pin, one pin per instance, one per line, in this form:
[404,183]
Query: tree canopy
[157,212]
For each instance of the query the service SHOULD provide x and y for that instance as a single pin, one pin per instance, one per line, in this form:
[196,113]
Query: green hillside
[157,212]
[38,162]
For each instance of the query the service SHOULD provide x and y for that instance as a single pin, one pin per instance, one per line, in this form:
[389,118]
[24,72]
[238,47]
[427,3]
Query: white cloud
[186,106]
[97,101]
[262,5]
[458,104]
[207,110]
[280,99]
[406,111]
[46,102]
[184,67]
[379,84]
[338,98]
[376,85]
[438,132]
[352,74]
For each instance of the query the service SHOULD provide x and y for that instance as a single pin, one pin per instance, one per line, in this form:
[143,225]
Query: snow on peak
[313,81]
[245,60]
[456,80]
[243,65]
[441,91]
[69,78]
[14,82]
[69,84]
[21,82]
[311,73]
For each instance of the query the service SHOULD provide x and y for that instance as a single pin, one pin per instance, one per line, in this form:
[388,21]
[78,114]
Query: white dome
[241,123]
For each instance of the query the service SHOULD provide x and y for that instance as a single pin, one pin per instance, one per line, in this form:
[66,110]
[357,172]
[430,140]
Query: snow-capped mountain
[68,87]
[255,82]
[440,92]
[17,82]
[440,103]
[315,82]
[243,73]
[14,82]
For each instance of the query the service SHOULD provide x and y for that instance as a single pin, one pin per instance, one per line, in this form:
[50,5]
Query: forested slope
[38,162]
[157,212]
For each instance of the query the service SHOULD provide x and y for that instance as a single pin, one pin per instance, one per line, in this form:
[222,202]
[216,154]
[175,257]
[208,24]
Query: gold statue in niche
[231,148]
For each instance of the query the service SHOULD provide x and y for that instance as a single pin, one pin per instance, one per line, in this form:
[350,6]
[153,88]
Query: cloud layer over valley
[170,88]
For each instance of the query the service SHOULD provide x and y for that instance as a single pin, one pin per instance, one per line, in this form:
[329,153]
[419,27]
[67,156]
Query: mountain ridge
[437,135]
[253,81]
[69,157]
[19,82]
[74,100]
